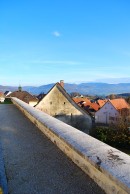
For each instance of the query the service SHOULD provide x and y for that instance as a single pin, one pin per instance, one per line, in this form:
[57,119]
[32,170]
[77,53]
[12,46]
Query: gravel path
[33,164]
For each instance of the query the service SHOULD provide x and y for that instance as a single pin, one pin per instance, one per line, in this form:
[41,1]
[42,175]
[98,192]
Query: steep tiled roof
[7,93]
[84,101]
[95,106]
[120,104]
[24,96]
[101,102]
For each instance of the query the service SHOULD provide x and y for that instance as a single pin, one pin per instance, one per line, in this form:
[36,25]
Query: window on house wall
[112,118]
[64,102]
[50,102]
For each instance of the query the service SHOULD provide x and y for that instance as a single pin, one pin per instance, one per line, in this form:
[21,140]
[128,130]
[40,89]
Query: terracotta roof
[95,106]
[2,94]
[87,103]
[101,102]
[24,96]
[120,103]
[84,101]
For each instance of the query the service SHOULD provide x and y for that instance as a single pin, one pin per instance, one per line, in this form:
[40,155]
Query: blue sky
[44,41]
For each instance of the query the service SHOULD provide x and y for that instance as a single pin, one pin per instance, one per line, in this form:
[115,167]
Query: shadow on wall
[77,121]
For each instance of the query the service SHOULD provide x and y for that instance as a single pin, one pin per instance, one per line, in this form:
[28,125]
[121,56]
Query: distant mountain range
[114,80]
[83,88]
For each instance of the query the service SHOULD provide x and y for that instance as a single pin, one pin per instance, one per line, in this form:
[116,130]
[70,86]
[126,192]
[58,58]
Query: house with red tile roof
[82,101]
[86,104]
[112,111]
[94,106]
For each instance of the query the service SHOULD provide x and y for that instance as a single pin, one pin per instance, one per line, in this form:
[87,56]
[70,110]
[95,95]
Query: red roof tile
[84,101]
[120,103]
[95,106]
[101,102]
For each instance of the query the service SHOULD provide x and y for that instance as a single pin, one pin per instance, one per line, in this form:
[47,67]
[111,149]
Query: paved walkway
[33,164]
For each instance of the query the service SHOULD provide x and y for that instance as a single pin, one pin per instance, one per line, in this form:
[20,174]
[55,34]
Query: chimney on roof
[62,83]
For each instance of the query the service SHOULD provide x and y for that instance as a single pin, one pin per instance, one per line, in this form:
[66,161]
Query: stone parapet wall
[107,166]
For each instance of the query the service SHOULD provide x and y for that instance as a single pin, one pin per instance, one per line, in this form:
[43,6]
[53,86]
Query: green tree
[115,135]
[128,100]
[112,96]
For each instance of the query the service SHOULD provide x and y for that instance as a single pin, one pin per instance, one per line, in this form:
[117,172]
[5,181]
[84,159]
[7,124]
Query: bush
[114,135]
[7,101]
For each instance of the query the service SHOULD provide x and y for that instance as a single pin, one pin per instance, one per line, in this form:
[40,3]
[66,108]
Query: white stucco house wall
[108,114]
[2,99]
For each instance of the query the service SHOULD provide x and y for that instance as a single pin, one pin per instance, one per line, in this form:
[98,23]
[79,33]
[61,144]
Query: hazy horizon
[106,81]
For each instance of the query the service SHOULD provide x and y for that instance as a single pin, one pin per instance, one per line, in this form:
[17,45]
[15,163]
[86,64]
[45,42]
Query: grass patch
[1,191]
